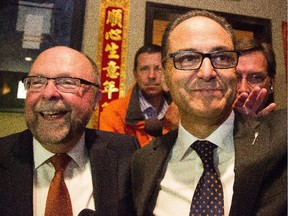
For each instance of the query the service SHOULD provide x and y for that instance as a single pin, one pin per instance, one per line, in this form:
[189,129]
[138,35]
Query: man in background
[92,168]
[256,69]
[144,101]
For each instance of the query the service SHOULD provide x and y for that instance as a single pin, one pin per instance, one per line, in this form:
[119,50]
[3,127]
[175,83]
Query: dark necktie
[58,199]
[208,196]
[151,113]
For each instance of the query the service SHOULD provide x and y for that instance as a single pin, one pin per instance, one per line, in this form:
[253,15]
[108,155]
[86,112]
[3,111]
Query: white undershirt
[77,176]
[185,168]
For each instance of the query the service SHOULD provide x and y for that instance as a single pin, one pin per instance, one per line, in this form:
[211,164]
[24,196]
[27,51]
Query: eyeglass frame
[81,81]
[204,55]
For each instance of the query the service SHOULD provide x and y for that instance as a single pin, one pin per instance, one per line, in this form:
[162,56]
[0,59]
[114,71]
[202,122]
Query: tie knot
[205,150]
[60,161]
[151,113]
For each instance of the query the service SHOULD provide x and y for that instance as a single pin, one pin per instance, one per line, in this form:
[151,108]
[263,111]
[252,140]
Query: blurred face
[56,117]
[205,94]
[148,74]
[252,71]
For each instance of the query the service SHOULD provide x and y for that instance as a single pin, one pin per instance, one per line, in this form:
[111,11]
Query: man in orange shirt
[145,100]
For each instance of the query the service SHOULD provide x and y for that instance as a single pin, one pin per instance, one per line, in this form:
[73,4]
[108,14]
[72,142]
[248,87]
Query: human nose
[152,74]
[206,70]
[243,86]
[50,90]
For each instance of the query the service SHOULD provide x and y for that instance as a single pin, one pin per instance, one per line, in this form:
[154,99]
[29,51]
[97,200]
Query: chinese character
[115,17]
[112,49]
[112,70]
[114,34]
[109,87]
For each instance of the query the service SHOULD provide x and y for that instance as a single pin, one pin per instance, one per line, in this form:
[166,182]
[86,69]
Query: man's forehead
[200,33]
[145,58]
[62,65]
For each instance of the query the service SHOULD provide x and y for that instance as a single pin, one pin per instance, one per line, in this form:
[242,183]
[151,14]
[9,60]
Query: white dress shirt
[184,169]
[77,177]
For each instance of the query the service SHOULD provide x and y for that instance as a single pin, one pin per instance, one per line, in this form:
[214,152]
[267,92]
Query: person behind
[145,100]
[218,161]
[256,68]
[62,92]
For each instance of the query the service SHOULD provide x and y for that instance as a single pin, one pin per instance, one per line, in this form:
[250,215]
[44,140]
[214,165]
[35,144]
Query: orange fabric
[112,118]
[58,198]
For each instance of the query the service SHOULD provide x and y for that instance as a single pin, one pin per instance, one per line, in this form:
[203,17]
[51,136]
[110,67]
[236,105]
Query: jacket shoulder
[161,144]
[8,142]
[115,140]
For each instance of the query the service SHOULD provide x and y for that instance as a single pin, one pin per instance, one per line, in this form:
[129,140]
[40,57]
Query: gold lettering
[112,70]
[112,49]
[115,17]
[109,88]
[114,34]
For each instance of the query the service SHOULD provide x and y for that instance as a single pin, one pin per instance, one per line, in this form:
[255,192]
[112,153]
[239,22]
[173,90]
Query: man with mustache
[218,161]
[63,89]
[145,100]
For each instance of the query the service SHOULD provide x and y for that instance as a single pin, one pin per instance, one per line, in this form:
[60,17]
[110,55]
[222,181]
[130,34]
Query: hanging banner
[112,52]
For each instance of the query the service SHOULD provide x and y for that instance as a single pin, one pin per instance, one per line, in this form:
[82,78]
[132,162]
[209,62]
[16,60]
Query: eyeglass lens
[64,84]
[189,60]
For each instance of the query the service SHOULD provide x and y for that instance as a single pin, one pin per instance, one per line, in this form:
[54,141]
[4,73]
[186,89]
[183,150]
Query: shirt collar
[79,153]
[145,105]
[222,137]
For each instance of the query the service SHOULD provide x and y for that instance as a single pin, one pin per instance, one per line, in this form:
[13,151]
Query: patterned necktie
[58,199]
[208,196]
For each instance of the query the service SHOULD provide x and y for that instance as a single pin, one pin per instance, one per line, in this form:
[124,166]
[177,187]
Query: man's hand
[251,104]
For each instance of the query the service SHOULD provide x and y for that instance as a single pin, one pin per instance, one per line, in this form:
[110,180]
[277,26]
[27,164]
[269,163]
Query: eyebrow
[221,48]
[218,48]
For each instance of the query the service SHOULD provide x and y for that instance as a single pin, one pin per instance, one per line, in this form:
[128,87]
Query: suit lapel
[104,174]
[153,173]
[250,163]
[17,176]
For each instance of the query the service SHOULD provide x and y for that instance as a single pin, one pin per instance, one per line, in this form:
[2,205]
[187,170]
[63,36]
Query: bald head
[61,59]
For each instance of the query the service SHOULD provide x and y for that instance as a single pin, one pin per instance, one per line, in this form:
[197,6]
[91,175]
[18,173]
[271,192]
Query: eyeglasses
[252,78]
[190,60]
[63,84]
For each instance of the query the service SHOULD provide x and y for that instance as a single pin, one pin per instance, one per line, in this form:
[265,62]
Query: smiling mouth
[53,114]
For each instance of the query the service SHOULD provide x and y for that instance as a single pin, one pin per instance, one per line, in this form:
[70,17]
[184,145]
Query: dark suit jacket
[110,156]
[260,186]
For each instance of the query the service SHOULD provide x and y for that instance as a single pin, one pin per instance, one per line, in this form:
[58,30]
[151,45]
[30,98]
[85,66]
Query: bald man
[63,89]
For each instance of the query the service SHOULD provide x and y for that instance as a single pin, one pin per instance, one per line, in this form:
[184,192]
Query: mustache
[152,83]
[55,106]
[202,85]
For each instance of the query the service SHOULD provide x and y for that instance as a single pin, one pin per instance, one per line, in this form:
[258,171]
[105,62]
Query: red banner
[112,52]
